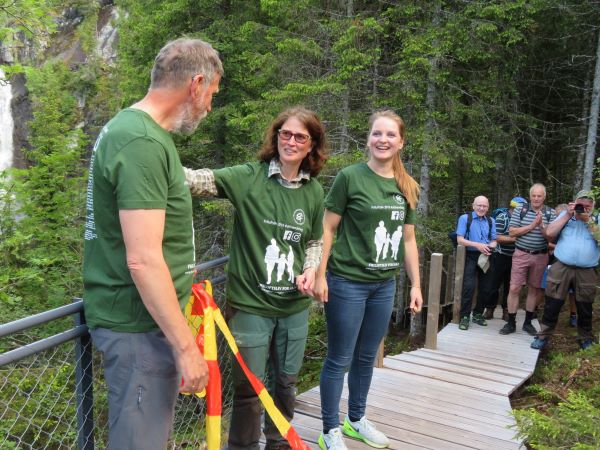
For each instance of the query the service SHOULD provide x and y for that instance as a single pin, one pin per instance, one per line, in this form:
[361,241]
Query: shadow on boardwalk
[454,397]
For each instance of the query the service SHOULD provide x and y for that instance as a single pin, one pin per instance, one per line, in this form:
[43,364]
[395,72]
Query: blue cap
[517,201]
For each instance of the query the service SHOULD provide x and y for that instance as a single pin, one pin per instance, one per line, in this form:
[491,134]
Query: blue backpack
[498,211]
[453,236]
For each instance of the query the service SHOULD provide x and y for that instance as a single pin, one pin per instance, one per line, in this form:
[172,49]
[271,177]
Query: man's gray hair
[538,186]
[180,60]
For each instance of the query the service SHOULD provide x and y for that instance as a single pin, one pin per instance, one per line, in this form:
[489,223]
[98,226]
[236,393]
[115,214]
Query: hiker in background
[501,260]
[528,224]
[572,306]
[477,232]
[577,255]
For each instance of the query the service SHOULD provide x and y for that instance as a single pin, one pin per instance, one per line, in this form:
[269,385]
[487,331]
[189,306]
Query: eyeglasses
[286,135]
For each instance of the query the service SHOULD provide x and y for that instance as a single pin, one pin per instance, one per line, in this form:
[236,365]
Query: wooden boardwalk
[454,397]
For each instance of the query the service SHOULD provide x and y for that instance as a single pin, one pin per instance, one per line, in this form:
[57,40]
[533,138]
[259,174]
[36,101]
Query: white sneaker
[365,431]
[332,440]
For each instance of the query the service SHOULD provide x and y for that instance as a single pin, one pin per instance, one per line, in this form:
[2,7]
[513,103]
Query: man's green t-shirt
[134,165]
[272,225]
[370,242]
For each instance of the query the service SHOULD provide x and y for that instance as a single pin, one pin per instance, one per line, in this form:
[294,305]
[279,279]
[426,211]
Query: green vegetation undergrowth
[560,409]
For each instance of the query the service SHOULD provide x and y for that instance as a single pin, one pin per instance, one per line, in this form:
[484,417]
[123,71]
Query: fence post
[458,281]
[449,280]
[84,385]
[433,300]
[379,357]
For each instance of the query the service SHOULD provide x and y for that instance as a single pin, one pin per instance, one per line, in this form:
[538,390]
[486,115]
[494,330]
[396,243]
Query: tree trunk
[583,130]
[590,149]
[430,127]
[345,119]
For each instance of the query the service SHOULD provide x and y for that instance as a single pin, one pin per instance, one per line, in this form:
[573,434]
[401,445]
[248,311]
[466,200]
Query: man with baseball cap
[501,260]
[577,254]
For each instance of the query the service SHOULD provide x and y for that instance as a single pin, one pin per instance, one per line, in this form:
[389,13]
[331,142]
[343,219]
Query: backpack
[453,236]
[547,212]
[498,211]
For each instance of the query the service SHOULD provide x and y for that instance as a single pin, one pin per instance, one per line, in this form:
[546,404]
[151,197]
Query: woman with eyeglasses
[371,207]
[275,249]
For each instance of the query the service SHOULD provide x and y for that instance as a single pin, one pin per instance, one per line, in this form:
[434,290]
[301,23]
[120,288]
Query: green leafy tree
[42,225]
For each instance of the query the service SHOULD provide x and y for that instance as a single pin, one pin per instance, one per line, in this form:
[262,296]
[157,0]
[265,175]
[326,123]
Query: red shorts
[528,268]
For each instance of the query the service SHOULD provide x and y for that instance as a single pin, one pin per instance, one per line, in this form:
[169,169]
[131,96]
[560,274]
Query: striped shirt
[502,222]
[533,240]
[202,183]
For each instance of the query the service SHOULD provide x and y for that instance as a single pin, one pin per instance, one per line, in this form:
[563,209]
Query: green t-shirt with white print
[272,225]
[370,242]
[134,165]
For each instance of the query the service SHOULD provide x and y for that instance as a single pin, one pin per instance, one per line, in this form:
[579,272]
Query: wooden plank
[425,405]
[481,373]
[433,300]
[471,362]
[431,390]
[485,411]
[504,351]
[477,409]
[508,351]
[515,360]
[400,439]
[463,380]
[388,418]
[497,431]
[493,329]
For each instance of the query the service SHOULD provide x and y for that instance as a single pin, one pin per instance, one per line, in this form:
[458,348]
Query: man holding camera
[577,254]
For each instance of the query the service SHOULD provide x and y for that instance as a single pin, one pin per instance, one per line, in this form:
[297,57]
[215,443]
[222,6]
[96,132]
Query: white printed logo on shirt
[384,242]
[274,257]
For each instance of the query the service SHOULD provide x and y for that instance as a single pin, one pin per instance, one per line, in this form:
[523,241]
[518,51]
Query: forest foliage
[495,95]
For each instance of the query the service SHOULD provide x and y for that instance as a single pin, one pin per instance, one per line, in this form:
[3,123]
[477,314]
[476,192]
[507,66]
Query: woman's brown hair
[314,161]
[407,184]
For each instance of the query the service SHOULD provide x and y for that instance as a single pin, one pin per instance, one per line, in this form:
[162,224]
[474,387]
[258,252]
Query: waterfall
[6,124]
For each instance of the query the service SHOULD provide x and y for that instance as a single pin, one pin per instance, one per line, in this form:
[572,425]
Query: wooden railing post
[433,300]
[379,358]
[458,281]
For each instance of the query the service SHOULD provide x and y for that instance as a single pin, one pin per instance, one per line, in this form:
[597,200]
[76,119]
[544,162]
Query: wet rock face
[107,41]
[63,46]
[70,18]
[22,114]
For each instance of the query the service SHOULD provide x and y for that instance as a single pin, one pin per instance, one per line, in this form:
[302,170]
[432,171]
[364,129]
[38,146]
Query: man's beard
[185,123]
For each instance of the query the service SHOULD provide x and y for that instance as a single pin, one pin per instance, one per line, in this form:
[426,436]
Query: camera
[579,208]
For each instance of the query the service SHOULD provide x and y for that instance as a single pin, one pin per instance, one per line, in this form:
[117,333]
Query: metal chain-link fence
[39,398]
[38,401]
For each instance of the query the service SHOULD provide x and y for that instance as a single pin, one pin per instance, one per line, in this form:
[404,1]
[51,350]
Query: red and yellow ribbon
[204,305]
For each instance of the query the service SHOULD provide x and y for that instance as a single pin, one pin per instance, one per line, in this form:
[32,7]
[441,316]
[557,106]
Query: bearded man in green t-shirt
[139,253]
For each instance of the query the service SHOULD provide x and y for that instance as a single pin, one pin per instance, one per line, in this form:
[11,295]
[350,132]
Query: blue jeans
[357,315]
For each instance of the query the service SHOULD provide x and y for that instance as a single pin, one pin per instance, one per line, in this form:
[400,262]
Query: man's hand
[537,221]
[320,289]
[483,248]
[193,369]
[306,281]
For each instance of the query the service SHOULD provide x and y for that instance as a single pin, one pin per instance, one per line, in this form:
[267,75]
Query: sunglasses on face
[286,135]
